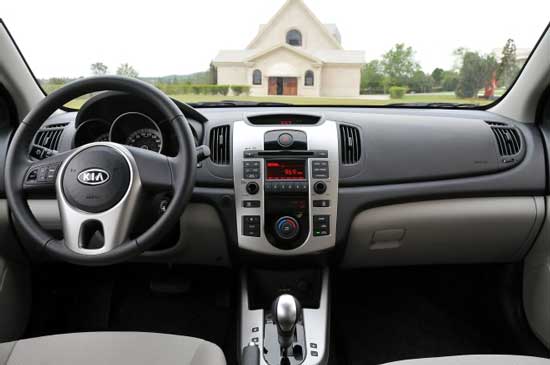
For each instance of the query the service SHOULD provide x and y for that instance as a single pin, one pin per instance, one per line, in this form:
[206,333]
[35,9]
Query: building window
[309,80]
[257,77]
[294,38]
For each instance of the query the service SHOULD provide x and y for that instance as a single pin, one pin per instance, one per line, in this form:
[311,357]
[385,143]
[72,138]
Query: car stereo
[286,187]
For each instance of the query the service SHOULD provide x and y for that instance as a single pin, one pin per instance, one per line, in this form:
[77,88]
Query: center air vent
[350,144]
[46,141]
[220,145]
[508,139]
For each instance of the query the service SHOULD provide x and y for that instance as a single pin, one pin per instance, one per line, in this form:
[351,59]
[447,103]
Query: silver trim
[116,221]
[316,324]
[248,137]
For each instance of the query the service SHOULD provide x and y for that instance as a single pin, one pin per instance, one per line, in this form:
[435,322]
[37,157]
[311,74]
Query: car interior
[140,229]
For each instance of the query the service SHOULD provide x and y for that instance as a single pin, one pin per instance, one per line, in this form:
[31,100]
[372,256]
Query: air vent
[219,145]
[350,144]
[46,141]
[508,140]
[495,123]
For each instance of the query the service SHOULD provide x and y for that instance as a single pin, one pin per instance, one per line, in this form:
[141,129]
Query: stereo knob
[252,188]
[320,187]
[287,228]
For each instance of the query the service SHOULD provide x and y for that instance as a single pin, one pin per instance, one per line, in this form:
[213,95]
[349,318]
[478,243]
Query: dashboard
[367,185]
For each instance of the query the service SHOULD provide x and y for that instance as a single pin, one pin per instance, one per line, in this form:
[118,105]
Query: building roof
[330,29]
[322,56]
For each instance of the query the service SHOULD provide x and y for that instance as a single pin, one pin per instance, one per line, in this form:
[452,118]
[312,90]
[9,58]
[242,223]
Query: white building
[293,54]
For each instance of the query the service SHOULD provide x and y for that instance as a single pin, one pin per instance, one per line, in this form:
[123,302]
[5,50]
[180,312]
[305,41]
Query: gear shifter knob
[286,312]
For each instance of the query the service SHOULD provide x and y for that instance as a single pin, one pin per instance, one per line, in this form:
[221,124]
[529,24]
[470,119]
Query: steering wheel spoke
[155,170]
[96,233]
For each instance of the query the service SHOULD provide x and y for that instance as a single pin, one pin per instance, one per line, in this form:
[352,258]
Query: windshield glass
[311,52]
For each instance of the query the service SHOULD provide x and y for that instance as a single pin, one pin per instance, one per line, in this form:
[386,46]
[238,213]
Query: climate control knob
[287,228]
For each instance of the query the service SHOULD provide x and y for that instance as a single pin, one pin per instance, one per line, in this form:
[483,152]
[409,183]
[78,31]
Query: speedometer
[148,139]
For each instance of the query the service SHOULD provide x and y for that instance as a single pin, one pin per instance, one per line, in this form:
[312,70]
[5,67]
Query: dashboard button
[251,204]
[321,203]
[251,226]
[321,225]
[285,140]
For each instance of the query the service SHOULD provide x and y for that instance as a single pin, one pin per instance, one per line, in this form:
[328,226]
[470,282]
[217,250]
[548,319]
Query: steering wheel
[100,185]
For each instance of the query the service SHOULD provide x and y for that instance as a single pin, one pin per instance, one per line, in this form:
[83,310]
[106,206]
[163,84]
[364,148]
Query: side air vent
[350,144]
[508,140]
[46,141]
[220,145]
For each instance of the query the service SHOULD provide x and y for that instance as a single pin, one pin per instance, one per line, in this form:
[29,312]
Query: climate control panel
[286,187]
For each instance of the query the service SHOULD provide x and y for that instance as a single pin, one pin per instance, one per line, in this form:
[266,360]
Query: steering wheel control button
[285,140]
[321,225]
[251,226]
[320,187]
[96,179]
[251,170]
[287,228]
[45,174]
[321,203]
[320,170]
[251,204]
[252,188]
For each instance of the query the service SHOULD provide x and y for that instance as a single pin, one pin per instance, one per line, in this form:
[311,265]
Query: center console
[285,316]
[285,170]
[286,186]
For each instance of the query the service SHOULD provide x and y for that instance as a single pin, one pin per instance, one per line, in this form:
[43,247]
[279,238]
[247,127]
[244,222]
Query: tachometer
[148,139]
[104,137]
[137,130]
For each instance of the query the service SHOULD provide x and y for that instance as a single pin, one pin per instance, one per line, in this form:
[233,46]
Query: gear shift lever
[286,312]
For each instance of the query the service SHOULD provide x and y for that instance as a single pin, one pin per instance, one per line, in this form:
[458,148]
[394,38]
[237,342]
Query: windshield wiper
[436,105]
[236,103]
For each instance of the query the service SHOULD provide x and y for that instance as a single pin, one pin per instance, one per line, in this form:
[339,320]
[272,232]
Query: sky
[62,38]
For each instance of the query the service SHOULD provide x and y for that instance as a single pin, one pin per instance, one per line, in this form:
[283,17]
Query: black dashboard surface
[407,155]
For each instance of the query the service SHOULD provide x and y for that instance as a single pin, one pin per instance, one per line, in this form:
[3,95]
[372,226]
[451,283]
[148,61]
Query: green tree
[475,72]
[449,81]
[399,65]
[127,70]
[98,68]
[437,76]
[372,77]
[421,82]
[508,68]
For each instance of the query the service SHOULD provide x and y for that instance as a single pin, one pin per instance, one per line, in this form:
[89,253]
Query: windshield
[312,52]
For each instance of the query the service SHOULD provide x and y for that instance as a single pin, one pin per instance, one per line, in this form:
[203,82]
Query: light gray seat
[111,348]
[476,360]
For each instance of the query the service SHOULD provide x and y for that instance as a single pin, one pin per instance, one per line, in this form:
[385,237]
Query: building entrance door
[283,86]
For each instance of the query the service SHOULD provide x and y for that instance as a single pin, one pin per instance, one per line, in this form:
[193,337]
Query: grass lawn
[410,98]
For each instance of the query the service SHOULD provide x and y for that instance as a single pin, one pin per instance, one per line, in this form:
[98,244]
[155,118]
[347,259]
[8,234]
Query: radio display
[286,170]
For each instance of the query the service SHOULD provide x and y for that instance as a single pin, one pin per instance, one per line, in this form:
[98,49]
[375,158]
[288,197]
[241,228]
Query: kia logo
[93,177]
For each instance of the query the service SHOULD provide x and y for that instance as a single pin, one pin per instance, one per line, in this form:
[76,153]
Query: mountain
[202,77]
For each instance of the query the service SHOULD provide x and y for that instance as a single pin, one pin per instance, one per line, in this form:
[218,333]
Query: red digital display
[286,170]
